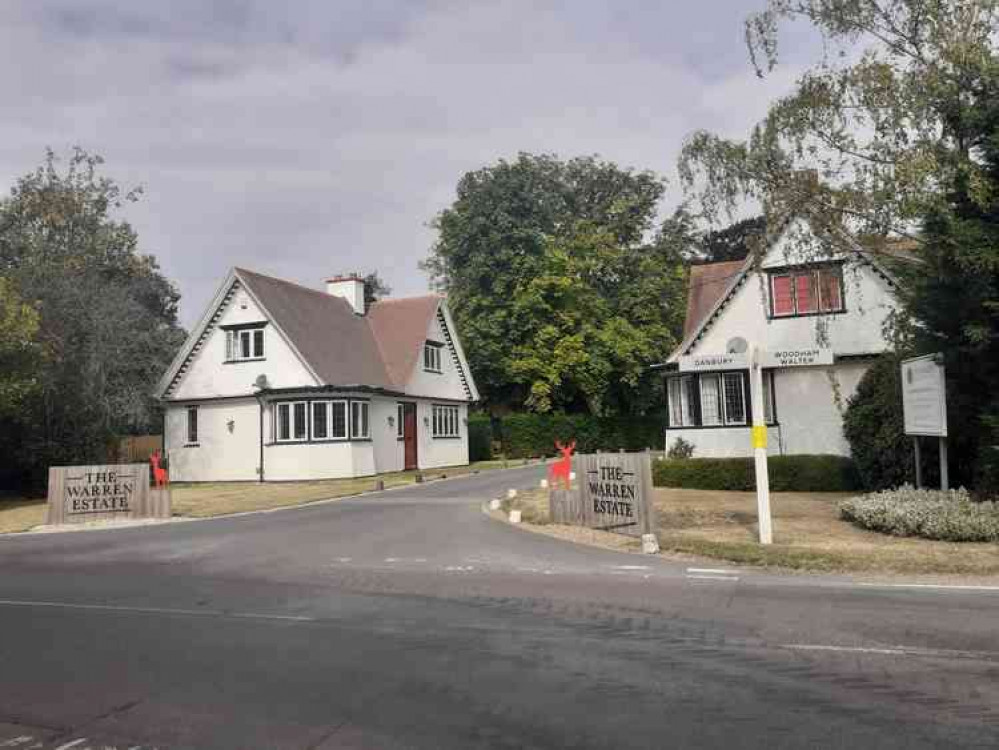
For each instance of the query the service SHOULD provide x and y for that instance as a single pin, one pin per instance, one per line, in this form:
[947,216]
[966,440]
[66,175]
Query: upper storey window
[245,342]
[806,292]
[432,361]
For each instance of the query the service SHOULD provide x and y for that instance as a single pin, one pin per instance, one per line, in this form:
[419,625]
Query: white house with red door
[281,382]
[831,300]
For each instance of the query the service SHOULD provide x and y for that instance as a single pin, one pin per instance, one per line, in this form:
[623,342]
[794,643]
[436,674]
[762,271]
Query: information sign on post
[924,407]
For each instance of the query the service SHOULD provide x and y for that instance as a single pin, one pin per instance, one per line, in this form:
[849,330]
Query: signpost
[759,437]
[924,407]
[78,494]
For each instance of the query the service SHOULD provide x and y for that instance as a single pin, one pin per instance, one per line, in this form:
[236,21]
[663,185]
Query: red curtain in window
[783,300]
[832,299]
[804,293]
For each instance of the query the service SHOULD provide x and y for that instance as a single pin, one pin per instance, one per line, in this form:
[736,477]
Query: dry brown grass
[224,498]
[808,534]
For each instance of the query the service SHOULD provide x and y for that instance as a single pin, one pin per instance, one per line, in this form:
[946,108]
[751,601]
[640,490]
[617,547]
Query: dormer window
[432,361]
[807,291]
[244,342]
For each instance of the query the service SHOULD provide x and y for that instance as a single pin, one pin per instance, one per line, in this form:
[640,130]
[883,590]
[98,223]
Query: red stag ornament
[160,475]
[563,467]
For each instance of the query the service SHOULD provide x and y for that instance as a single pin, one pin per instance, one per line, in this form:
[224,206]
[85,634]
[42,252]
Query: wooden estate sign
[614,494]
[78,494]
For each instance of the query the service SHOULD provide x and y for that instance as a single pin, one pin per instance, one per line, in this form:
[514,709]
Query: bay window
[359,429]
[291,422]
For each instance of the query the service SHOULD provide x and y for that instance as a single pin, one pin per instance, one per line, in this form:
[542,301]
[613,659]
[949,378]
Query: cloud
[308,141]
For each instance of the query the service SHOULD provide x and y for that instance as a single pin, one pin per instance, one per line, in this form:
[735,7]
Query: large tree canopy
[106,317]
[561,297]
[893,132]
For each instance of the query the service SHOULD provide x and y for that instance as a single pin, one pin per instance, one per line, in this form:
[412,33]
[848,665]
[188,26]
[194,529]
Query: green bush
[787,474]
[480,438]
[525,435]
[932,514]
[874,428]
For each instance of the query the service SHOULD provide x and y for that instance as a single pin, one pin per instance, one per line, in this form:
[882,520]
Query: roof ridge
[279,280]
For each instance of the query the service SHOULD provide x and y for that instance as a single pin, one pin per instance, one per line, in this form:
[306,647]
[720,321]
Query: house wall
[209,375]
[436,452]
[444,385]
[809,404]
[221,455]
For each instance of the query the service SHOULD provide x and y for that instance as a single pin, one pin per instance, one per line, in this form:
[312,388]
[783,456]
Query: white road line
[74,743]
[155,610]
[896,651]
[940,586]
[705,577]
[630,567]
[344,559]
[715,571]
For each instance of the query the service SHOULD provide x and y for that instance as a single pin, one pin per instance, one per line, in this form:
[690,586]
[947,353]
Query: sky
[310,138]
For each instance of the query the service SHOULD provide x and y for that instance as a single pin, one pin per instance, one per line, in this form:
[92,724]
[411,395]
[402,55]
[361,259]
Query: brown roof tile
[707,284]
[400,328]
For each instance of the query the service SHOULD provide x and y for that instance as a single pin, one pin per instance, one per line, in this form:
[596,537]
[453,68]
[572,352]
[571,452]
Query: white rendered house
[781,303]
[281,382]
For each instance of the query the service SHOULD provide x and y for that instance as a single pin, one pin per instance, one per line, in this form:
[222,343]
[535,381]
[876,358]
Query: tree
[374,288]
[20,353]
[733,242]
[560,297]
[107,318]
[891,133]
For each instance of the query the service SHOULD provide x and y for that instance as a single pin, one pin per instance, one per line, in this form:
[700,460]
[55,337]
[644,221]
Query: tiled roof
[707,284]
[377,350]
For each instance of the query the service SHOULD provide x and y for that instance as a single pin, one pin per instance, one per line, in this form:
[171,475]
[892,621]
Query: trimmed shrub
[874,428]
[950,516]
[480,438]
[680,448]
[526,435]
[787,474]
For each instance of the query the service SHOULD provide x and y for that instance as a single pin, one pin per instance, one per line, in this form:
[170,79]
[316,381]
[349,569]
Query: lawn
[204,500]
[808,535]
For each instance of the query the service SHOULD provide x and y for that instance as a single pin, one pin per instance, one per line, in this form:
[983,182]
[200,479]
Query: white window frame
[400,430]
[191,411]
[292,422]
[329,406]
[742,398]
[360,416]
[235,338]
[681,409]
[433,360]
[768,397]
[685,395]
[446,422]
[706,380]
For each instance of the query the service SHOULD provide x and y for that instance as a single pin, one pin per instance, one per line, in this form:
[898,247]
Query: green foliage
[733,242]
[480,438]
[873,426]
[526,435]
[375,288]
[932,514]
[560,301]
[107,318]
[680,449]
[820,473]
[20,351]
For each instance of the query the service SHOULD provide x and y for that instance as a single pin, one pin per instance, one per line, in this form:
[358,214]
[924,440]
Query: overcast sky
[304,139]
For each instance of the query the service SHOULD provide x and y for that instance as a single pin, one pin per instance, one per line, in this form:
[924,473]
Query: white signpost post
[758,359]
[924,407]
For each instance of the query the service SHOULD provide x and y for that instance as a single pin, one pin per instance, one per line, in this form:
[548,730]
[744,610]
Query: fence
[136,449]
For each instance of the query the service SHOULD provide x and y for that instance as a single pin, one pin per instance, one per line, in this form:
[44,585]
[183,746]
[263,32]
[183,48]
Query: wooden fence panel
[135,449]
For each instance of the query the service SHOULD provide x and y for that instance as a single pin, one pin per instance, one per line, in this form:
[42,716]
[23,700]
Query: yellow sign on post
[759,436]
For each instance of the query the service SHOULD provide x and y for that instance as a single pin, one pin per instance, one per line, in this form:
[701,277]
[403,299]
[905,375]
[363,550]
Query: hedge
[525,435]
[787,474]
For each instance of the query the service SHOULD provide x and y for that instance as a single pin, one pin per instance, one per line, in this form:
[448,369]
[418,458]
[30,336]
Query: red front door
[409,434]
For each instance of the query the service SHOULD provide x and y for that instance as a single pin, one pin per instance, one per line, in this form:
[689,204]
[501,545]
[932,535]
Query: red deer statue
[160,476]
[563,467]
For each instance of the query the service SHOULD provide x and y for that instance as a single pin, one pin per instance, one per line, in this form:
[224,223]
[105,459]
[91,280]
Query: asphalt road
[408,619]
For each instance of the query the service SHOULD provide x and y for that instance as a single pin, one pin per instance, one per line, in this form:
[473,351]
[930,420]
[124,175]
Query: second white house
[278,382]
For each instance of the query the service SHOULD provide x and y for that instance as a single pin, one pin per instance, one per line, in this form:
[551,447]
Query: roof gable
[400,328]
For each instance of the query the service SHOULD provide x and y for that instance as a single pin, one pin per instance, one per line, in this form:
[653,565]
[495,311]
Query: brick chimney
[350,288]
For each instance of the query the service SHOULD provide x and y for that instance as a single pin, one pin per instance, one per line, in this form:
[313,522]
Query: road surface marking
[707,577]
[344,559]
[896,651]
[630,567]
[458,568]
[714,571]
[155,610]
[74,743]
[941,586]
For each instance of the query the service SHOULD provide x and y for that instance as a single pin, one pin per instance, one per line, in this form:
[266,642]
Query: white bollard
[572,476]
[544,484]
[650,545]
[511,494]
[494,504]
[514,516]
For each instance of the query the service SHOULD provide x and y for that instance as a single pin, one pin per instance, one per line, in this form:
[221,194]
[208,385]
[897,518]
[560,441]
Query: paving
[410,619]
